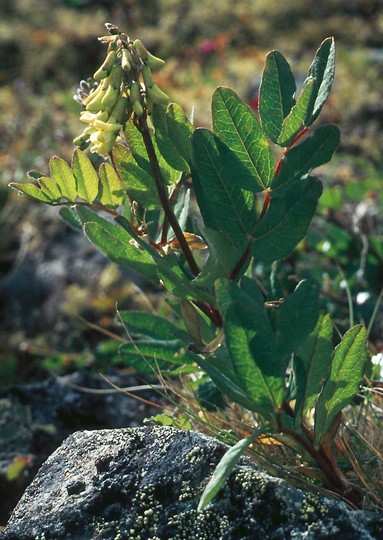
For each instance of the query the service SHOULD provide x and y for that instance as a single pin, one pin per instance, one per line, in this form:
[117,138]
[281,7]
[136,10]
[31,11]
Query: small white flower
[377,359]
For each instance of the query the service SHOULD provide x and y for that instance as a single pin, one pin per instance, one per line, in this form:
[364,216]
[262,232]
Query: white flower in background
[377,360]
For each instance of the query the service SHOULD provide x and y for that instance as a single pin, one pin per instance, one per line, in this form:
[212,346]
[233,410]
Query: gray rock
[145,483]
[36,418]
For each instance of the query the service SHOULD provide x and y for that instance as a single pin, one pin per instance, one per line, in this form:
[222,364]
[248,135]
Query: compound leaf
[296,317]
[323,71]
[138,149]
[50,188]
[136,181]
[29,188]
[114,242]
[286,221]
[258,366]
[237,126]
[342,384]
[224,205]
[309,154]
[180,130]
[293,123]
[86,177]
[166,145]
[111,192]
[149,325]
[176,281]
[63,175]
[276,94]
[225,379]
[149,356]
[315,354]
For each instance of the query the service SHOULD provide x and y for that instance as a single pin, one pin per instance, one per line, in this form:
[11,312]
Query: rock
[145,484]
[35,419]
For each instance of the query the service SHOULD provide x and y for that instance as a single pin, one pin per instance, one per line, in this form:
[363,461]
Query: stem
[266,204]
[172,198]
[213,313]
[236,270]
[163,196]
[294,141]
[101,207]
[333,478]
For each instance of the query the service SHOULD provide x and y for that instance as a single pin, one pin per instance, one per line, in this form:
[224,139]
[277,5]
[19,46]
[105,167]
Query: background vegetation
[46,48]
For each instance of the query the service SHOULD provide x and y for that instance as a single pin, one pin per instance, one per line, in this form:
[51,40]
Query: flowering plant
[273,354]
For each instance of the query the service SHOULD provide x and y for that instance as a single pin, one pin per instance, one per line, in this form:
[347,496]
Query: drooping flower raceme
[123,86]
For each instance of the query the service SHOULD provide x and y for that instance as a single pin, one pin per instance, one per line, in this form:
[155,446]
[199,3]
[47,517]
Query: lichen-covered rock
[36,418]
[145,483]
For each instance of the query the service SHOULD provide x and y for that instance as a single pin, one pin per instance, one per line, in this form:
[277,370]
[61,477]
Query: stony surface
[36,418]
[145,483]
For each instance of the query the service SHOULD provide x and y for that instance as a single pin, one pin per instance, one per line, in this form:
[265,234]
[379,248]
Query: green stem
[163,196]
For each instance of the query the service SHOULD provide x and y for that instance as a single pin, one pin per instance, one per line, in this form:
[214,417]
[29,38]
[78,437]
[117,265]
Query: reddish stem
[294,142]
[236,270]
[333,479]
[213,313]
[266,204]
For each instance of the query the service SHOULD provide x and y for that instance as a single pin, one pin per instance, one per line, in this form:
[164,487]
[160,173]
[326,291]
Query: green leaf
[148,356]
[34,175]
[14,470]
[180,130]
[138,149]
[253,351]
[225,467]
[293,123]
[311,153]
[323,71]
[86,176]
[298,385]
[176,281]
[315,354]
[111,192]
[50,188]
[113,242]
[63,175]
[237,126]
[149,325]
[181,209]
[165,144]
[69,215]
[224,254]
[285,223]
[173,421]
[226,380]
[276,94]
[137,182]
[342,385]
[251,288]
[29,188]
[247,293]
[297,317]
[210,397]
[224,206]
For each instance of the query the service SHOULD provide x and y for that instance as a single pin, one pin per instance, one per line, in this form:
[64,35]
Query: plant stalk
[333,478]
[144,129]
